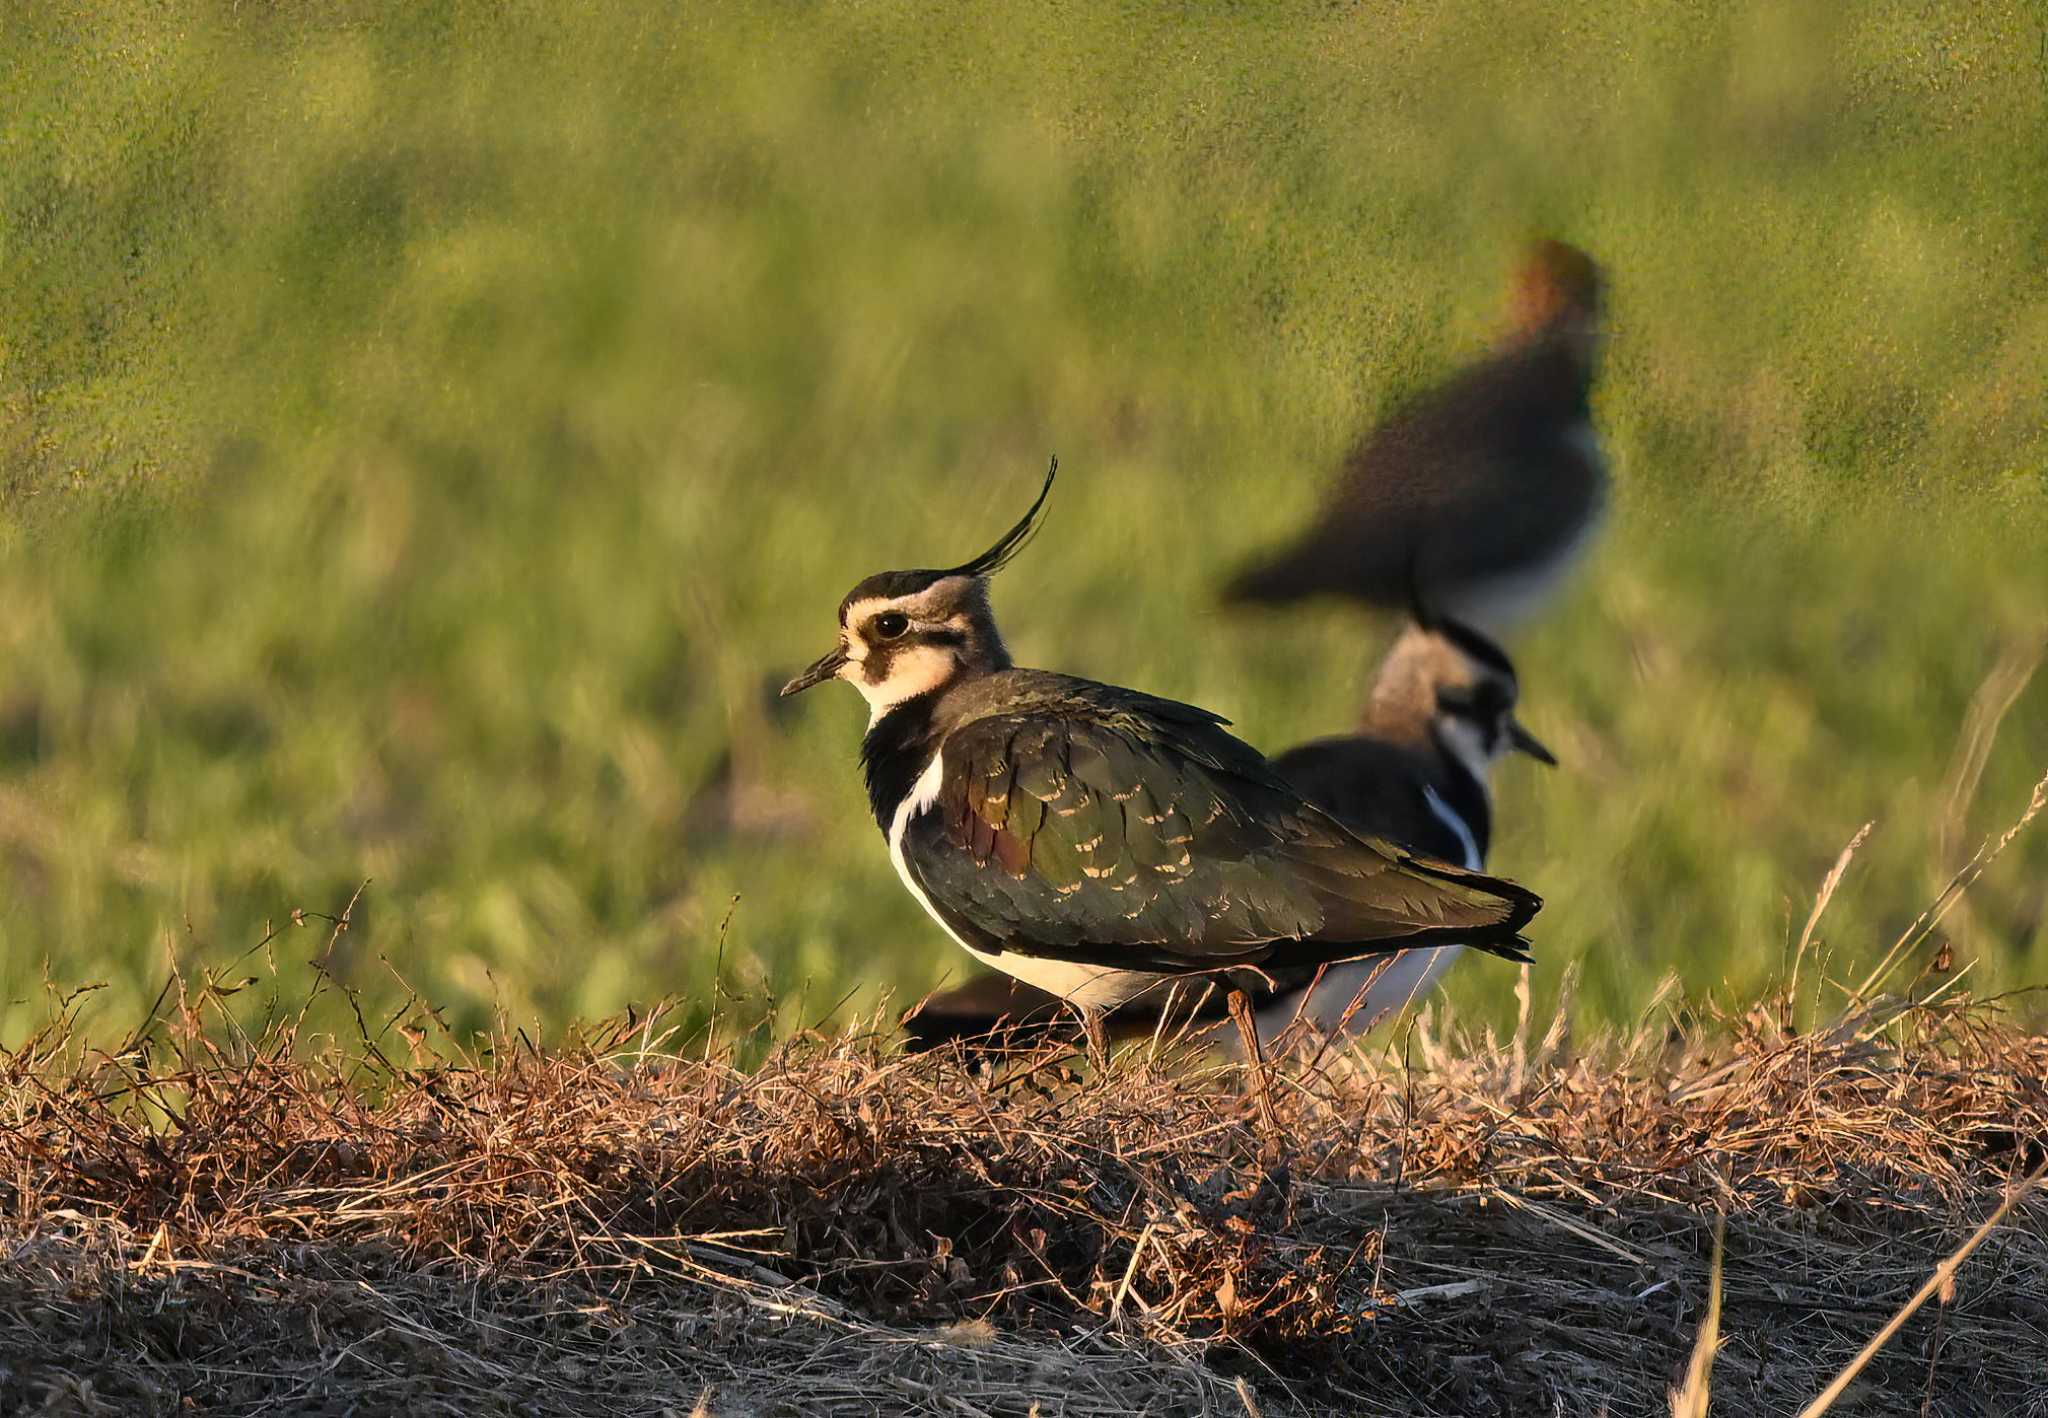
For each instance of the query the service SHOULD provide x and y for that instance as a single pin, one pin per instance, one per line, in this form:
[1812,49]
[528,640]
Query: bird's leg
[1094,1036]
[1255,1059]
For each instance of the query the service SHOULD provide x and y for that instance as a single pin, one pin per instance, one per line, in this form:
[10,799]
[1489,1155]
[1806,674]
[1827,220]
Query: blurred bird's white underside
[1501,603]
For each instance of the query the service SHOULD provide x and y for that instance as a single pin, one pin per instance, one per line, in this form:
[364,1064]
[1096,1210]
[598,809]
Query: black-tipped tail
[1512,904]
[1506,939]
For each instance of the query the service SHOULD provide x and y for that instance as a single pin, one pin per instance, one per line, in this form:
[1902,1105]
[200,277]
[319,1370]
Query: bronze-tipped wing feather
[1122,830]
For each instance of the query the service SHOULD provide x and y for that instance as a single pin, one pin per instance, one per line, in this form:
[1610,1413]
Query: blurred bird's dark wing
[1128,831]
[1482,476]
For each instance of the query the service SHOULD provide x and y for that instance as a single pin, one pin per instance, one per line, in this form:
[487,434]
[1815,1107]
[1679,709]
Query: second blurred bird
[1488,486]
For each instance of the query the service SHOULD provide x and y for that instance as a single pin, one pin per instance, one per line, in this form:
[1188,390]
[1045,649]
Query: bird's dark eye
[889,624]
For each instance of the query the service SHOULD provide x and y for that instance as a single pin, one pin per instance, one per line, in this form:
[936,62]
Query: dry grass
[235,1218]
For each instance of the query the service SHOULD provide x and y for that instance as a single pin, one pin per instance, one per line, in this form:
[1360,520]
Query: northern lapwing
[1418,771]
[1100,843]
[1491,484]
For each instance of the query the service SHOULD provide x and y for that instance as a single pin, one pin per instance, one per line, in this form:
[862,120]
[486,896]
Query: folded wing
[1137,832]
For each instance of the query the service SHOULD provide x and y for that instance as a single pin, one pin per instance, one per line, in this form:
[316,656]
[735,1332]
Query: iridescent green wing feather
[1134,831]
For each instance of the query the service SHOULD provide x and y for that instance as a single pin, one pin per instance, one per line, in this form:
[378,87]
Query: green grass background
[424,435]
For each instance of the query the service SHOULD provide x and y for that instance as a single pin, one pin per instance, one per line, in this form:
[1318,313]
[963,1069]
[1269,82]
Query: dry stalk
[241,1215]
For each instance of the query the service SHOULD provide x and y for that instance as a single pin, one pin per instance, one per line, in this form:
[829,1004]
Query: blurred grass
[424,434]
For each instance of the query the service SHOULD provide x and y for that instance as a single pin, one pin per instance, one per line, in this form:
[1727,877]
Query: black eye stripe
[886,645]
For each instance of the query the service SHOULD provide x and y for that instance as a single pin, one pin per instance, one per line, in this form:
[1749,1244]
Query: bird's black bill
[1520,737]
[825,667]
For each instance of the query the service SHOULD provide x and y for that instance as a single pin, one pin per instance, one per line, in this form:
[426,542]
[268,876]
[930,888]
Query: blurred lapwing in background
[1100,843]
[1491,485]
[1417,771]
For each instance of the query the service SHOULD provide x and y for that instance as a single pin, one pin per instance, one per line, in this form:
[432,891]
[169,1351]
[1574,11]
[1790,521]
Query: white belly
[1407,978]
[1089,986]
[1499,604]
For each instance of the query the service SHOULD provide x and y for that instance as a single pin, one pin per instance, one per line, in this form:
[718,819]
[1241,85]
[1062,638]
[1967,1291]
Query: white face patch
[913,670]
[888,671]
[1462,741]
